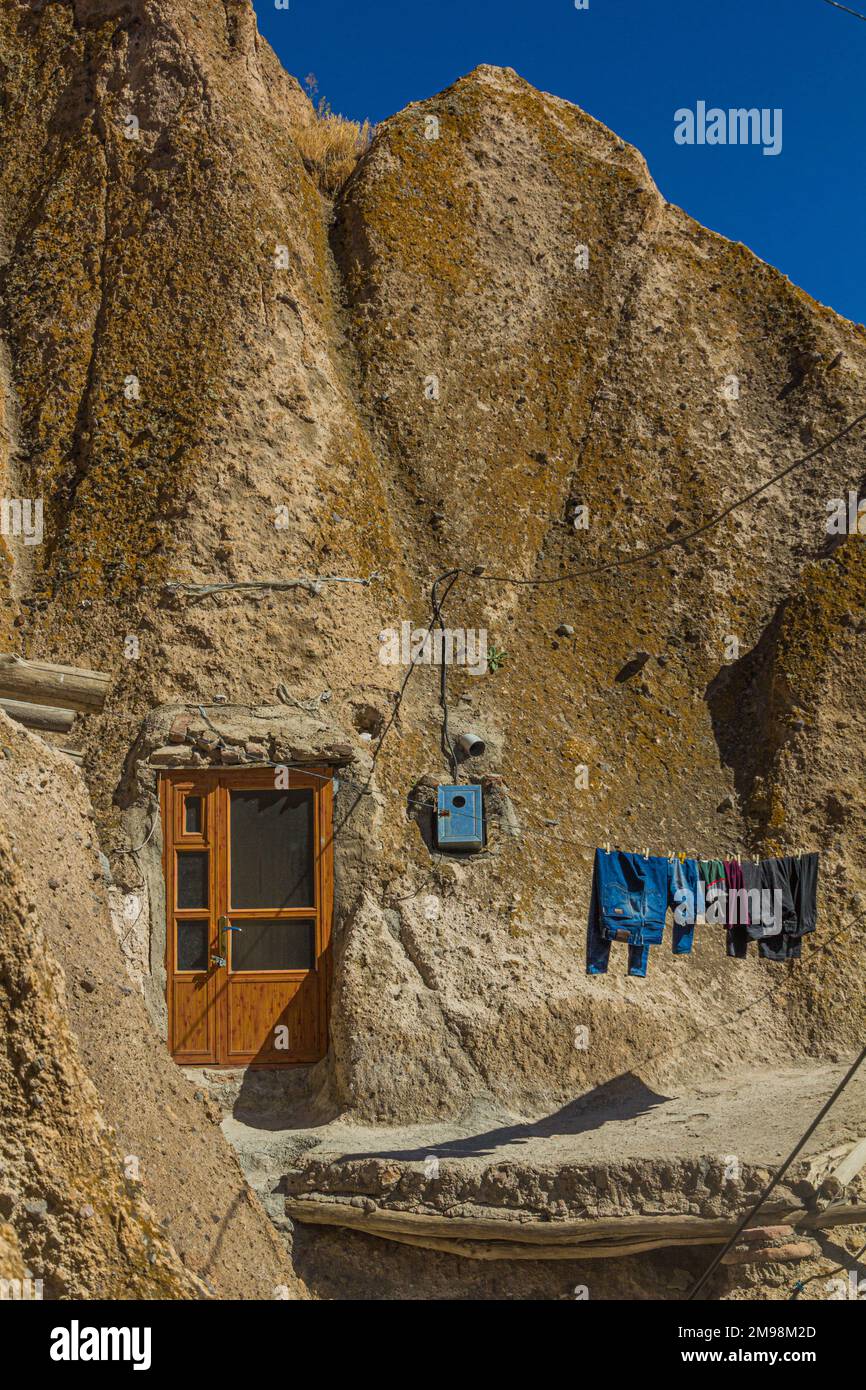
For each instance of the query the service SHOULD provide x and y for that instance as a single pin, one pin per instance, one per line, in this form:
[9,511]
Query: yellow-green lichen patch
[816,624]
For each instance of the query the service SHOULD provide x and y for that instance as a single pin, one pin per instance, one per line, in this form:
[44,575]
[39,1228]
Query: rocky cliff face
[114,1173]
[213,374]
[78,1222]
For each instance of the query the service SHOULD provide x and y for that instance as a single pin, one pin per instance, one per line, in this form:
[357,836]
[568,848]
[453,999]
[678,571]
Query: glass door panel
[271,840]
[277,944]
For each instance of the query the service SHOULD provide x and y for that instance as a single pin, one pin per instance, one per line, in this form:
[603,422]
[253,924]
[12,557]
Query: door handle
[224,926]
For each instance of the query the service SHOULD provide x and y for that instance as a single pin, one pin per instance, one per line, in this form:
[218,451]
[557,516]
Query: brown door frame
[214,786]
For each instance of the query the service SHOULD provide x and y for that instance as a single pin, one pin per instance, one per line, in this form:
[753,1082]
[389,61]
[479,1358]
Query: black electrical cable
[447,745]
[453,575]
[645,555]
[477,573]
[716,1261]
[801,1283]
[837,6]
[675,541]
[413,664]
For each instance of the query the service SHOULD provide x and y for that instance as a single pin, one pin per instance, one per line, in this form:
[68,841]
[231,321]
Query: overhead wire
[437,604]
[479,573]
[424,803]
[837,6]
[451,576]
[778,1175]
[630,561]
[447,745]
[673,542]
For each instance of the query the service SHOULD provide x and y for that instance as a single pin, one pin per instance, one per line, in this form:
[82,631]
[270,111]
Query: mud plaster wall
[225,737]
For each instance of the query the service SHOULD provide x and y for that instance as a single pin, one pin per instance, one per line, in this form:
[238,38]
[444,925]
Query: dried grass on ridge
[331,146]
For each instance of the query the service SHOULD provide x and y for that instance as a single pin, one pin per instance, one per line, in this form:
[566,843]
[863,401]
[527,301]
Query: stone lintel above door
[221,735]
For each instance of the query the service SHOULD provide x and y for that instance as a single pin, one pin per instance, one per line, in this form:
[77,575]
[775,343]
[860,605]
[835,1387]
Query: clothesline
[733,855]
[772,901]
[533,828]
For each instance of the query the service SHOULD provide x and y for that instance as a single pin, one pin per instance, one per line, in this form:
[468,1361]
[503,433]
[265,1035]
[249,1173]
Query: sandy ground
[622,1151]
[758,1116]
[623,1144]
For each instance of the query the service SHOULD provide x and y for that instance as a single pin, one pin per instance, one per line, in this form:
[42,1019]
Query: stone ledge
[178,736]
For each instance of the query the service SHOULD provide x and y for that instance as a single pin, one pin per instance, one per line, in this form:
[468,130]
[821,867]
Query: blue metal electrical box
[460,817]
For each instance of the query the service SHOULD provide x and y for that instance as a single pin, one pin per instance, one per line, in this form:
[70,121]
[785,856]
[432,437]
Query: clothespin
[606,847]
[739,859]
[646,853]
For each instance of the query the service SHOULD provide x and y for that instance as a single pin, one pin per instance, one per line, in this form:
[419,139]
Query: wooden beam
[853,1214]
[66,687]
[492,1238]
[56,721]
[544,1233]
[508,1250]
[853,1163]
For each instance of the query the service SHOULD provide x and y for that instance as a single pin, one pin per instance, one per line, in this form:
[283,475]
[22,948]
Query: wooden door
[249,898]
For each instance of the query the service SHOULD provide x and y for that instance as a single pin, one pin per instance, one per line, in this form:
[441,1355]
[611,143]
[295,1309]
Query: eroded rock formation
[212,374]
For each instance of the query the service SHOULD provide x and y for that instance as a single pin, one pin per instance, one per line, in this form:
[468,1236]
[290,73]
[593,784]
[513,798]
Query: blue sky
[632,64]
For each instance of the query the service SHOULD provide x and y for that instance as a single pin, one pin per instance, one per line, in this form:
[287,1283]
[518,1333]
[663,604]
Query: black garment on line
[737,942]
[796,877]
[801,873]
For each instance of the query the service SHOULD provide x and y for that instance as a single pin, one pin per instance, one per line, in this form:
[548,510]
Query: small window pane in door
[277,945]
[192,945]
[272,849]
[192,817]
[192,879]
